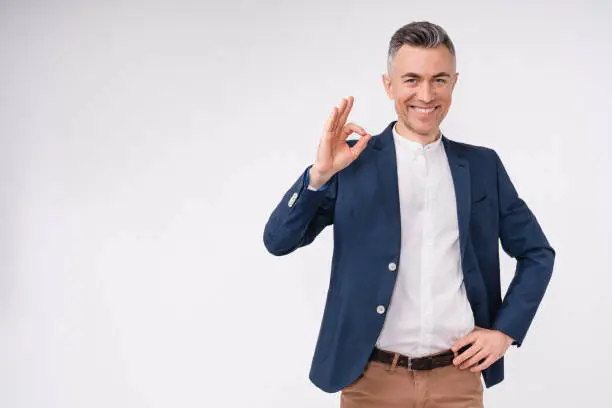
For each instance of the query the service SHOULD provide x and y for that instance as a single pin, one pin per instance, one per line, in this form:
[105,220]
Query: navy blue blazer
[362,202]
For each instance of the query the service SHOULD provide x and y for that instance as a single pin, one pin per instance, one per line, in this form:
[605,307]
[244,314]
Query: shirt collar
[416,147]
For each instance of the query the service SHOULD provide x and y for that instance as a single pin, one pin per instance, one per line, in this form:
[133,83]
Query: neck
[405,132]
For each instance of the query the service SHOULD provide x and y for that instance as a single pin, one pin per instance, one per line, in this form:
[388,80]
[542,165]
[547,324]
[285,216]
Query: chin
[427,132]
[424,130]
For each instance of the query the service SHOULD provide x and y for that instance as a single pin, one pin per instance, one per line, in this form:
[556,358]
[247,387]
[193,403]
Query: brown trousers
[384,386]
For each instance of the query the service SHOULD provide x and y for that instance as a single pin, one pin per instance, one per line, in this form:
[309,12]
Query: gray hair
[419,34]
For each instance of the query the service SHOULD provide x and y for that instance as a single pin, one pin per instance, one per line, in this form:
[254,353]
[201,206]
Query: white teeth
[423,110]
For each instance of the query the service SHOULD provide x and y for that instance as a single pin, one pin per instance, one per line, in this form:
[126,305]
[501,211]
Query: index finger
[464,341]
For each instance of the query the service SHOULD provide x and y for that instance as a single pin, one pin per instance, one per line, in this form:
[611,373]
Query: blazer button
[392,266]
[292,199]
[380,309]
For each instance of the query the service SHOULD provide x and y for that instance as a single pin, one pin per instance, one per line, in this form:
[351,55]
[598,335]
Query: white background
[144,145]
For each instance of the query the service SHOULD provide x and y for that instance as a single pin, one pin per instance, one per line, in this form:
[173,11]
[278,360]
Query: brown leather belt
[416,363]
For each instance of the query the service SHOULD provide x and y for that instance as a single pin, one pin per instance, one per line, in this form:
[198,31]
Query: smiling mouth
[420,109]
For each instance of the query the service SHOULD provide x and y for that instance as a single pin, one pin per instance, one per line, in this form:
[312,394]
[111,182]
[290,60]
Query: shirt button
[392,266]
[380,309]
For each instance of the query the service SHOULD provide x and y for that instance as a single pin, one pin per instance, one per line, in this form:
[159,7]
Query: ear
[387,84]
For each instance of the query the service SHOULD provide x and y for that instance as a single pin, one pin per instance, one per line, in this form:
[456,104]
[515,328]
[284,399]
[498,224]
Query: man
[414,313]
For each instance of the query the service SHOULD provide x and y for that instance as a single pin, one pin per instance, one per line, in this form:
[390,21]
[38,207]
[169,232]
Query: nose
[425,93]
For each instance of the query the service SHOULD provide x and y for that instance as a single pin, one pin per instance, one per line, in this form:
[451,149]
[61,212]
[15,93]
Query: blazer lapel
[460,170]
[386,163]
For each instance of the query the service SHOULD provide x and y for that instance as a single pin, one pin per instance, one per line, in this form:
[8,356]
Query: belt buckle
[409,363]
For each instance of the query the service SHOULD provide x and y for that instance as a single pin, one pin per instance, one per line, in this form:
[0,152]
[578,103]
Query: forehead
[424,61]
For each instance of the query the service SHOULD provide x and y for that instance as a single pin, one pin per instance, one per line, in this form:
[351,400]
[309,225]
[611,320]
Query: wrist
[508,339]
[317,179]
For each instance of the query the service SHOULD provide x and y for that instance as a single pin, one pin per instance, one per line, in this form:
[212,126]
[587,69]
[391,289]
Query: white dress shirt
[429,309]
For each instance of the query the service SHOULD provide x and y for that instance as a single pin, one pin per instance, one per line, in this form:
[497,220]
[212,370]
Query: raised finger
[341,108]
[345,112]
[331,121]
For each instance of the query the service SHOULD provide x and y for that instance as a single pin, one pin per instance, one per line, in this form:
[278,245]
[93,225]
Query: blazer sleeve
[300,216]
[523,239]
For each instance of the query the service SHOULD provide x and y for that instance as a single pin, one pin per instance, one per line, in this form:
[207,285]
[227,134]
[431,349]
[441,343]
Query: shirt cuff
[311,188]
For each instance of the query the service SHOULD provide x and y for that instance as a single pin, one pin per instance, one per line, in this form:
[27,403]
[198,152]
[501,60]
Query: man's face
[421,83]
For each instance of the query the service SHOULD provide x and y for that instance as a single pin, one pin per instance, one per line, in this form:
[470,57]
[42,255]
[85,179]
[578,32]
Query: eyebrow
[414,75]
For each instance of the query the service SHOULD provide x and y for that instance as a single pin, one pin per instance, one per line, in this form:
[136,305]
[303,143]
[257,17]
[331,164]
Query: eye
[441,80]
[410,81]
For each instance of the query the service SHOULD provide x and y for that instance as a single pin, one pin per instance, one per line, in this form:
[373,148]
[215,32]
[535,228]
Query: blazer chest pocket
[481,208]
[481,199]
